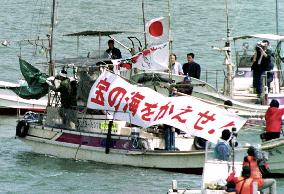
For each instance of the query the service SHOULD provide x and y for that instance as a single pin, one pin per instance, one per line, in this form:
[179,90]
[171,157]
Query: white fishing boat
[11,103]
[112,136]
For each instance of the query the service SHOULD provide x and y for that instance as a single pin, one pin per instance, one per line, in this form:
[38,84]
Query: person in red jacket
[255,174]
[273,118]
[241,185]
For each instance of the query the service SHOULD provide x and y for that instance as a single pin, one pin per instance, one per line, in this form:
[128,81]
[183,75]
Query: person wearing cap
[65,89]
[113,52]
[250,160]
[191,68]
[175,66]
[261,62]
[222,150]
[273,119]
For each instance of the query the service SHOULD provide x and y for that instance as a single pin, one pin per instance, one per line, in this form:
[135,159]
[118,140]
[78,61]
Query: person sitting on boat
[222,150]
[113,52]
[175,66]
[261,62]
[243,184]
[273,119]
[251,161]
[184,87]
[191,68]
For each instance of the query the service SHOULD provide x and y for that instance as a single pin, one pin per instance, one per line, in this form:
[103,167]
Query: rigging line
[33,16]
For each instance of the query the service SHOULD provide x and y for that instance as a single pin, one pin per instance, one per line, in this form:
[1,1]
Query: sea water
[196,26]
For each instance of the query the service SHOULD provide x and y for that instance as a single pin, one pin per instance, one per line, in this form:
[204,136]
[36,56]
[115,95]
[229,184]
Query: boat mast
[144,25]
[50,38]
[276,15]
[170,40]
[51,68]
[228,62]
[170,32]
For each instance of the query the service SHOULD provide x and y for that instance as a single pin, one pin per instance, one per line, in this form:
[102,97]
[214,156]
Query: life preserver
[22,128]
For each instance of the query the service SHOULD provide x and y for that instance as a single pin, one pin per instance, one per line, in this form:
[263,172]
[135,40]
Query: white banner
[144,107]
[153,58]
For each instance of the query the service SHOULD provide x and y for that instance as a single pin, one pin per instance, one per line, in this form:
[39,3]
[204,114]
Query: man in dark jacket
[113,52]
[191,68]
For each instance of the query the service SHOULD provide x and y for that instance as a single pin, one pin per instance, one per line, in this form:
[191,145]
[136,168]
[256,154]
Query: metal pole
[276,14]
[228,61]
[170,41]
[144,24]
[51,65]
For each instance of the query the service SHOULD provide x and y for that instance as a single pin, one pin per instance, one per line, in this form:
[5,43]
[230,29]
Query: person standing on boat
[261,62]
[250,160]
[273,119]
[113,52]
[222,150]
[68,100]
[191,68]
[175,66]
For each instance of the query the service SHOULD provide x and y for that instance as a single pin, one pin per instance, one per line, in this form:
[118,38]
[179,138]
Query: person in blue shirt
[222,150]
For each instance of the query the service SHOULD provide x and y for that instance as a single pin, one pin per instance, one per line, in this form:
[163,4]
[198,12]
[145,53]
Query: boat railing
[214,77]
[273,78]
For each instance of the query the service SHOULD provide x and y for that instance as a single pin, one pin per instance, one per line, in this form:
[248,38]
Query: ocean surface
[196,26]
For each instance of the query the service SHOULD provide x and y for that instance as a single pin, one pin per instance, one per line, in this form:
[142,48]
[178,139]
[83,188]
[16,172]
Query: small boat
[275,150]
[11,103]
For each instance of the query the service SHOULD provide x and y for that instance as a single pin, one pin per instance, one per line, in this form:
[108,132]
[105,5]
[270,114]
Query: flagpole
[170,40]
[144,24]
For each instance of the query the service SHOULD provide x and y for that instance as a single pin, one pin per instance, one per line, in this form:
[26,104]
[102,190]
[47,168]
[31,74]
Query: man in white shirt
[176,66]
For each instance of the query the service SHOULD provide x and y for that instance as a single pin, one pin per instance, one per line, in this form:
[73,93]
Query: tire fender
[22,128]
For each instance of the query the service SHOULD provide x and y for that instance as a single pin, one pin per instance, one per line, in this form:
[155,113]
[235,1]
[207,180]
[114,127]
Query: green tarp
[37,87]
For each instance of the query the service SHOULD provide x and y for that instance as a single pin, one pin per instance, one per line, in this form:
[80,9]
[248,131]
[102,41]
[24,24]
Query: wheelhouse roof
[95,33]
[261,36]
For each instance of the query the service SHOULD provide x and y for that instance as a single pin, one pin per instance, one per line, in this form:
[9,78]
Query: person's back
[250,161]
[244,183]
[65,93]
[222,150]
[273,118]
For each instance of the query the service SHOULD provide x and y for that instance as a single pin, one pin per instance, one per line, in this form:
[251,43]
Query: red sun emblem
[156,29]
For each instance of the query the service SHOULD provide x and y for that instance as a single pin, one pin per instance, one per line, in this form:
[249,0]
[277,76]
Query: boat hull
[10,103]
[65,144]
[166,161]
[275,149]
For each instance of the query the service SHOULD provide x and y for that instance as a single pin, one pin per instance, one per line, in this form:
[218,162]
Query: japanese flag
[154,58]
[158,30]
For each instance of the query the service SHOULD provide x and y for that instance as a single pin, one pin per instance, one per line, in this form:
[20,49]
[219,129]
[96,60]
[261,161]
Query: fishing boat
[115,136]
[238,79]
